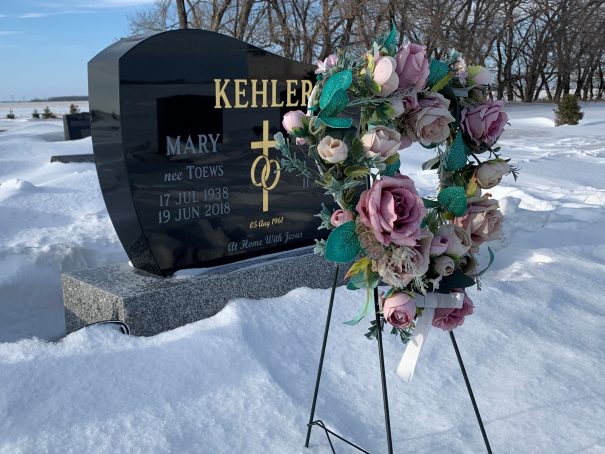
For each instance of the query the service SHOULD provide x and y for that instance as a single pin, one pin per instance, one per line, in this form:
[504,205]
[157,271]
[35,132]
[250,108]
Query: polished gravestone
[76,126]
[182,130]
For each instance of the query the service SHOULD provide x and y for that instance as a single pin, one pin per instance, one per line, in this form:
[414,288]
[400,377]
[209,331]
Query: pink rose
[323,66]
[439,245]
[482,221]
[385,75]
[450,318]
[429,122]
[339,217]
[490,173]
[381,142]
[293,120]
[332,150]
[412,66]
[399,310]
[485,122]
[393,210]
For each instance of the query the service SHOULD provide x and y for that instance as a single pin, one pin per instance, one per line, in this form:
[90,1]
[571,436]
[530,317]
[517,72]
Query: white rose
[332,150]
[381,141]
[444,265]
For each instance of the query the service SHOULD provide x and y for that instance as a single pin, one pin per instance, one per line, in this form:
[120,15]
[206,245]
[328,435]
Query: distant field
[23,110]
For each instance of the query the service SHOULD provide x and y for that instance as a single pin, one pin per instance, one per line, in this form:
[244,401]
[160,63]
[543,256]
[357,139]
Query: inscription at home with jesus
[182,127]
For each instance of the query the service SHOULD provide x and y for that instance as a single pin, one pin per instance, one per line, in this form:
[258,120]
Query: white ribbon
[430,302]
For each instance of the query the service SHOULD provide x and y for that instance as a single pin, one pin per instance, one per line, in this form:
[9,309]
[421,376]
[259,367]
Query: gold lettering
[274,95]
[267,164]
[239,92]
[307,88]
[219,94]
[291,93]
[256,92]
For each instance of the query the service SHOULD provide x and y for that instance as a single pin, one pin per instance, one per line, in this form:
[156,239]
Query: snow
[242,381]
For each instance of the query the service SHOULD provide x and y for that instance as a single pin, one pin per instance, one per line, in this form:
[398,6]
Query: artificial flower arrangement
[361,112]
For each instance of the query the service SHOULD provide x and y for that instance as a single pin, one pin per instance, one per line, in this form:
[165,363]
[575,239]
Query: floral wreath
[361,112]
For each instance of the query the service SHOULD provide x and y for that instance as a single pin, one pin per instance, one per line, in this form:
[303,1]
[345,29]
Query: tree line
[536,49]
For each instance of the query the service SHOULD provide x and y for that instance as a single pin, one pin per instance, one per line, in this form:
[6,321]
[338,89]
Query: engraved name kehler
[248,94]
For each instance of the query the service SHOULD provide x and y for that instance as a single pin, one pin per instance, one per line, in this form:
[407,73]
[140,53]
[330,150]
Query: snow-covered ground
[242,381]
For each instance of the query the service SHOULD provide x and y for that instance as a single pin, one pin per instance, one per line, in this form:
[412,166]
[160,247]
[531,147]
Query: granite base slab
[151,304]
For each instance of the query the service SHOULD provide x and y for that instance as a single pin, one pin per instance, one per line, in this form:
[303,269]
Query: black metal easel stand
[385,398]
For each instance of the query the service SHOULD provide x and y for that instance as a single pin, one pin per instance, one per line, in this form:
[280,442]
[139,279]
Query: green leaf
[338,82]
[428,203]
[392,169]
[455,156]
[438,70]
[356,171]
[440,85]
[453,199]
[342,245]
[391,39]
[491,260]
[455,280]
[334,122]
[431,164]
[363,311]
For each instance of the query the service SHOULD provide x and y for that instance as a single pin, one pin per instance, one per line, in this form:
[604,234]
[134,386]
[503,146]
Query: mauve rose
[399,310]
[459,241]
[412,66]
[339,217]
[485,122]
[439,245]
[332,150]
[385,75]
[410,101]
[482,221]
[323,66]
[293,120]
[444,265]
[448,319]
[381,142]
[429,122]
[393,210]
[490,173]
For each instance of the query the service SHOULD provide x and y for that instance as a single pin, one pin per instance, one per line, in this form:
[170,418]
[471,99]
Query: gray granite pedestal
[151,304]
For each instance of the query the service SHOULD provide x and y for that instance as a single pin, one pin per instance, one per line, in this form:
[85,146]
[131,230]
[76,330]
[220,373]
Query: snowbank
[242,381]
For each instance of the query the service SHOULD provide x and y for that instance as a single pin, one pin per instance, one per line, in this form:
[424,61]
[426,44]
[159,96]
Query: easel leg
[321,357]
[385,397]
[470,393]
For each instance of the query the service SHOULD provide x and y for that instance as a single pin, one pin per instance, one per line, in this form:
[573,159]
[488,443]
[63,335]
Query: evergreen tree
[568,111]
[73,109]
[36,114]
[47,113]
[10,115]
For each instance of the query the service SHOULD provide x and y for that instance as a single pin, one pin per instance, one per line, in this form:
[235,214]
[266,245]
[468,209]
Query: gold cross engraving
[265,172]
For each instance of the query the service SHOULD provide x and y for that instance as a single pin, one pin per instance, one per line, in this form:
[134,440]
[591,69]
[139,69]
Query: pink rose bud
[323,66]
[490,173]
[458,239]
[293,120]
[385,75]
[399,310]
[448,319]
[412,66]
[340,217]
[398,107]
[439,245]
[483,77]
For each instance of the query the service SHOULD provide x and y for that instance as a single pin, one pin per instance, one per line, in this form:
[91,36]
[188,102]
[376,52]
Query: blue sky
[45,45]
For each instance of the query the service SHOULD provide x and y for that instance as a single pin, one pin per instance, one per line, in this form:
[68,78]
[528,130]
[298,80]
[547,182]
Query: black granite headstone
[76,126]
[182,128]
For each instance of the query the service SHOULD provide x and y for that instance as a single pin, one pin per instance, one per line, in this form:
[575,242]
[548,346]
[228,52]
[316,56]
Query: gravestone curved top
[182,125]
